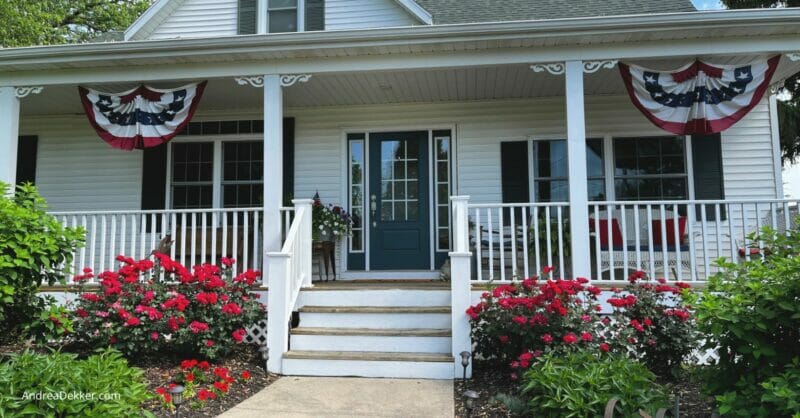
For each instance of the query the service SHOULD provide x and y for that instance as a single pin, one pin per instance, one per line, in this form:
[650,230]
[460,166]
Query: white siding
[199,18]
[76,170]
[359,14]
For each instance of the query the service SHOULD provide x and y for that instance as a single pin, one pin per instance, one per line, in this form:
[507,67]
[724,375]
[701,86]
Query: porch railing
[288,271]
[676,240]
[197,235]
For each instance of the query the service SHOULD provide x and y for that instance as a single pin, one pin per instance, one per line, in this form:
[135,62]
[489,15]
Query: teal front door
[399,204]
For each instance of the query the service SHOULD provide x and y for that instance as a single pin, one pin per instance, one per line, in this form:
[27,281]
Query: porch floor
[349,397]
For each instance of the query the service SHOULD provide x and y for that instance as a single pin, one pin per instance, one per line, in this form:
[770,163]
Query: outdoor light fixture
[470,397]
[465,356]
[176,393]
[264,350]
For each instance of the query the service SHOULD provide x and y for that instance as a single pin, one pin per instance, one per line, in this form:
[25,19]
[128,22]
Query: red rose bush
[203,312]
[518,322]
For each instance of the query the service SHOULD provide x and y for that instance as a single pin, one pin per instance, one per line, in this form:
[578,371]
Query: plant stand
[325,254]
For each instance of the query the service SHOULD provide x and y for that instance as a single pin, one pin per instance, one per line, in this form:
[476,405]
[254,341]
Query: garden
[149,338]
[547,347]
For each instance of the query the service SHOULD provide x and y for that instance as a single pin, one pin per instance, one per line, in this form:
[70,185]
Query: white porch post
[273,164]
[9,134]
[460,283]
[576,154]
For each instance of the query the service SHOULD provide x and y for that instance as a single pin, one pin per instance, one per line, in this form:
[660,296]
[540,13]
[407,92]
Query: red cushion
[670,225]
[616,232]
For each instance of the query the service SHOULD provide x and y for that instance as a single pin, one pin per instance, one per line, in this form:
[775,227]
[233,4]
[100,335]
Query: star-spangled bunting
[698,98]
[143,117]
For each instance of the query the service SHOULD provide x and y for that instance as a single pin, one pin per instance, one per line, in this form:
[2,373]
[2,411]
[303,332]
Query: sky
[707,4]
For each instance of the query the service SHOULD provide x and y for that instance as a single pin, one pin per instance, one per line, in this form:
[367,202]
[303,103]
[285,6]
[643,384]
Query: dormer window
[281,16]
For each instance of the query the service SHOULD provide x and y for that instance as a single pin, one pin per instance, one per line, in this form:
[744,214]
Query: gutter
[419,35]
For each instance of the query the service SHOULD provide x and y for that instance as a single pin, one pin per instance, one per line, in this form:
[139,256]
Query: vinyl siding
[76,170]
[198,18]
[358,14]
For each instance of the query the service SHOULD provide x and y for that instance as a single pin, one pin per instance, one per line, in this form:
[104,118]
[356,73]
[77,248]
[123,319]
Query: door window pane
[399,173]
[442,187]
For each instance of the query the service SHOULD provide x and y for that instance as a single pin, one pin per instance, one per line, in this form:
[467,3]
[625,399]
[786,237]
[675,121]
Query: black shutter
[288,161]
[315,15]
[708,178]
[514,175]
[154,180]
[27,147]
[247,17]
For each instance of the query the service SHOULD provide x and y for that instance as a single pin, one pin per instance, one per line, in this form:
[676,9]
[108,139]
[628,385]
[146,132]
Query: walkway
[296,397]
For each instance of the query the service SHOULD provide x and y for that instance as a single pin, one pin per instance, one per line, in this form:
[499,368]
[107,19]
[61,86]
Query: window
[242,174]
[281,16]
[551,170]
[650,168]
[356,175]
[442,143]
[192,175]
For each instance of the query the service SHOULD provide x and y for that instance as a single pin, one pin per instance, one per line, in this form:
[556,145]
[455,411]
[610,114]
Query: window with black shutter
[708,177]
[315,15]
[247,17]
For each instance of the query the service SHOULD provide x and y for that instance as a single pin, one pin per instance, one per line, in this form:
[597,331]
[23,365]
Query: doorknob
[373,205]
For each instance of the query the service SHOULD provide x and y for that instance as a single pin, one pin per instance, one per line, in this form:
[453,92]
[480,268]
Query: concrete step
[395,340]
[372,296]
[369,364]
[375,317]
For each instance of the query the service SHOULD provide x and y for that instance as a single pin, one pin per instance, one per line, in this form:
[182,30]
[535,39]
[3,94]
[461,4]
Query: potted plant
[329,224]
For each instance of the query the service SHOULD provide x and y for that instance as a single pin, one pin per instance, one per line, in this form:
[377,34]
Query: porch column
[9,135]
[273,163]
[576,156]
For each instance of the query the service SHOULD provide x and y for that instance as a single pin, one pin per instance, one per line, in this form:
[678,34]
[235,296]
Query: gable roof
[474,11]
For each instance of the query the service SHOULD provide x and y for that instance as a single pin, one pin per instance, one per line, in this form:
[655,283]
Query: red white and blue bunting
[143,117]
[698,98]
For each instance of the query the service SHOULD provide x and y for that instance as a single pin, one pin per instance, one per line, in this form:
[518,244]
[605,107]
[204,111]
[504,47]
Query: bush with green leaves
[751,311]
[580,384]
[34,247]
[61,385]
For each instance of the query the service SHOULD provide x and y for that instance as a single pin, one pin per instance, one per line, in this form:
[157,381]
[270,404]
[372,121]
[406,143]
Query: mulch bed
[159,371]
[489,380]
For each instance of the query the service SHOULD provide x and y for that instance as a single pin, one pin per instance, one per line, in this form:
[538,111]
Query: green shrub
[60,385]
[580,384]
[33,248]
[752,313]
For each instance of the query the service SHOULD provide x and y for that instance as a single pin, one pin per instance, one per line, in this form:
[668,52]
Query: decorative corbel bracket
[554,68]
[287,80]
[256,81]
[595,66]
[25,91]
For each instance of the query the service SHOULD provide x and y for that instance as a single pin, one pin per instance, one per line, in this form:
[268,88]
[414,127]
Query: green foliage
[52,324]
[514,404]
[33,248]
[580,384]
[752,314]
[102,385]
[44,22]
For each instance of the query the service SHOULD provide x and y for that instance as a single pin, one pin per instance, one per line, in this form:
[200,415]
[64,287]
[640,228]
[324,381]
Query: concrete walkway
[292,397]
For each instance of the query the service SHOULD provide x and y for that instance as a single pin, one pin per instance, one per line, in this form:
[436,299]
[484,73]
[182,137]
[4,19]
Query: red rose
[648,322]
[586,336]
[172,323]
[81,312]
[239,335]
[231,309]
[197,327]
[636,325]
[548,269]
[521,320]
[605,347]
[209,343]
[188,364]
[547,338]
[246,375]
[227,262]
[154,336]
[570,338]
[133,321]
[221,386]
[203,365]
[504,339]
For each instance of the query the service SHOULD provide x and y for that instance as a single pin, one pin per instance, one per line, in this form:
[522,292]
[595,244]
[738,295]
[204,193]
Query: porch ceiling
[384,87]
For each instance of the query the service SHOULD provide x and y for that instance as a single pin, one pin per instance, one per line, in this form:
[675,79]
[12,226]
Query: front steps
[398,330]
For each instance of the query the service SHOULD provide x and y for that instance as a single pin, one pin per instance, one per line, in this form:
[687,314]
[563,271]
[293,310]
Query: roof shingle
[473,11]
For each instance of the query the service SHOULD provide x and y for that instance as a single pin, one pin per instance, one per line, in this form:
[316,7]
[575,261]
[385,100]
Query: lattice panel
[257,333]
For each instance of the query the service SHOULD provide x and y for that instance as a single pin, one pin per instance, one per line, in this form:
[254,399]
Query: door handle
[373,206]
